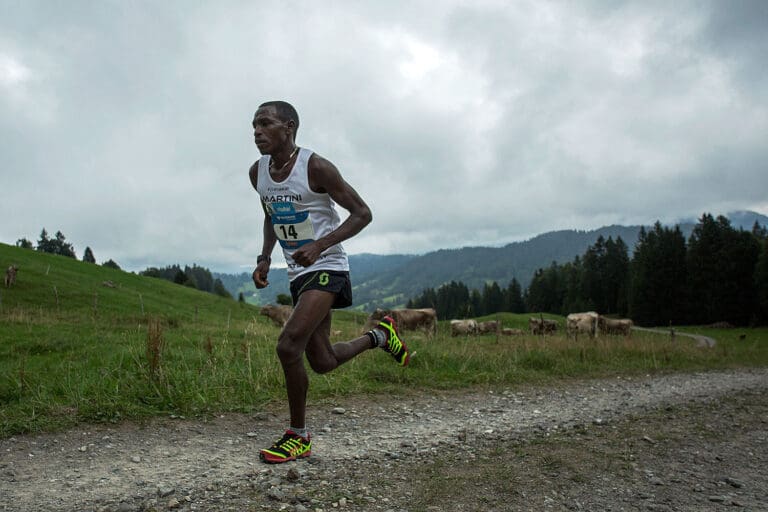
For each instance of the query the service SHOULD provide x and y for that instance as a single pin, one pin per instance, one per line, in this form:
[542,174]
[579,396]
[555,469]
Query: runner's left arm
[324,177]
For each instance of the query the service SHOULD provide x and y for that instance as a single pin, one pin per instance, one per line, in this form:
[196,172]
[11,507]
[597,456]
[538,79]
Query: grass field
[84,343]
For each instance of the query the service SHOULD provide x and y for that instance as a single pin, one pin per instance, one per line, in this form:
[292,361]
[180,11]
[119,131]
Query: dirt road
[665,442]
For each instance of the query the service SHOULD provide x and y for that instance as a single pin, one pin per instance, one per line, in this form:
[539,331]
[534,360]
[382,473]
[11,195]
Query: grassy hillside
[80,342]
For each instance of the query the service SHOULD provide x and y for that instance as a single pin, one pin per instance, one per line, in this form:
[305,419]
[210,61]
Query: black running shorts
[331,281]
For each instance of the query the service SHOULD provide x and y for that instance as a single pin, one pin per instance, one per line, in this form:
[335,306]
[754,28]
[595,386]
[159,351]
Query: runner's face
[270,133]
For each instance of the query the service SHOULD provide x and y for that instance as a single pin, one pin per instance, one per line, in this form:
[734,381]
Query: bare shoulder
[323,175]
[253,173]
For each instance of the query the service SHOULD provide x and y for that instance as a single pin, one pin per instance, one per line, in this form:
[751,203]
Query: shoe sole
[267,460]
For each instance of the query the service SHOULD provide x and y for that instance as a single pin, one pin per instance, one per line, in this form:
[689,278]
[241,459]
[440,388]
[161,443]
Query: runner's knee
[289,350]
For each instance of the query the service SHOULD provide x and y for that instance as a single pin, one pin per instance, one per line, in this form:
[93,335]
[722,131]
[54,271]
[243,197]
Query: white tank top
[299,215]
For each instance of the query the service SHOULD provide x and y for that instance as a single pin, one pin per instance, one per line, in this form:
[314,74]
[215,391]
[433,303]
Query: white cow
[463,327]
[576,323]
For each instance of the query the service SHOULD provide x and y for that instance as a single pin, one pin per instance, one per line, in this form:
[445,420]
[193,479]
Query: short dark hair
[284,110]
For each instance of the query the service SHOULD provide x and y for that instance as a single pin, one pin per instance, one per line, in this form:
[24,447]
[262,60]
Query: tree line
[194,276]
[456,300]
[59,245]
[720,274]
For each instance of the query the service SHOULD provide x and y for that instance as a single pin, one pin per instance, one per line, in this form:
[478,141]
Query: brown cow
[464,327]
[10,276]
[541,325]
[278,314]
[621,326]
[406,319]
[488,326]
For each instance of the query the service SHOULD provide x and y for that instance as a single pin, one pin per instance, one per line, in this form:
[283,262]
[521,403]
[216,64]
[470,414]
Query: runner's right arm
[269,238]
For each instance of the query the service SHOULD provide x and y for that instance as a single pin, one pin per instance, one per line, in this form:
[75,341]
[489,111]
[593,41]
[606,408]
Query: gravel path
[701,341]
[364,450]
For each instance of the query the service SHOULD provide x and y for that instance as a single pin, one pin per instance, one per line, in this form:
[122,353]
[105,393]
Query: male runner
[299,190]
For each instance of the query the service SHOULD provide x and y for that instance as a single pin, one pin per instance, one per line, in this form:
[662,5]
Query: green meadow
[84,343]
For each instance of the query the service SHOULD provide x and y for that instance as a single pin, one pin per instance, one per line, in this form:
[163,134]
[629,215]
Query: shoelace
[290,445]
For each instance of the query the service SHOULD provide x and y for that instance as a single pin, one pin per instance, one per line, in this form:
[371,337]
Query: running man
[299,190]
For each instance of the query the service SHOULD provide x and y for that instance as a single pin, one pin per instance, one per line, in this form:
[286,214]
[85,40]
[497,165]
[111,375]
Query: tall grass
[108,345]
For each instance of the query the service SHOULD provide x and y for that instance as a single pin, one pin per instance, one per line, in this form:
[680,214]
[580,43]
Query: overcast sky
[126,124]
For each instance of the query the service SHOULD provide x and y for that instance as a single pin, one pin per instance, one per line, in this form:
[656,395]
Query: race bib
[293,229]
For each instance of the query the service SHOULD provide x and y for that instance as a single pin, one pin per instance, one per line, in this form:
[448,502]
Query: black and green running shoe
[290,447]
[394,344]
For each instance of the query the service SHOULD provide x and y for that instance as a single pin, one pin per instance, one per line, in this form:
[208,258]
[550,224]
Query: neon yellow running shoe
[290,447]
[394,345]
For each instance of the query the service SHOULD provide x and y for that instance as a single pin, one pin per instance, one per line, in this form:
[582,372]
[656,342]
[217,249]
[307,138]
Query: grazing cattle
[406,319]
[576,323]
[463,327]
[488,326]
[278,314]
[541,325]
[511,332]
[10,276]
[621,326]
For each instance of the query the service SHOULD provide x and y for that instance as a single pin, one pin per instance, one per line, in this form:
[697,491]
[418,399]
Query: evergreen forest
[718,275]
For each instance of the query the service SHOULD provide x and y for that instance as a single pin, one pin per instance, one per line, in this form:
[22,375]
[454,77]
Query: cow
[576,323]
[488,326]
[621,326]
[541,325]
[278,314]
[10,276]
[463,327]
[406,319]
[511,332]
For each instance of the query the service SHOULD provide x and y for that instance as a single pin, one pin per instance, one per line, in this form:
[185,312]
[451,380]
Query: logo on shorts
[323,279]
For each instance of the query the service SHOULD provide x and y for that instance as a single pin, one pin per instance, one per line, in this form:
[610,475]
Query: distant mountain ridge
[390,280]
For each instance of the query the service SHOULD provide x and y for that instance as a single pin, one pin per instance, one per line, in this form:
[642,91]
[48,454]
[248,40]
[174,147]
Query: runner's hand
[307,254]
[260,275]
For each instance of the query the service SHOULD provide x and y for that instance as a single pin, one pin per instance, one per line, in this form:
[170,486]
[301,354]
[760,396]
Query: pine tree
[761,284]
[759,231]
[546,292]
[180,277]
[63,248]
[594,278]
[24,243]
[493,298]
[88,256]
[111,264]
[721,265]
[44,243]
[573,296]
[616,284]
[657,294]
[57,245]
[220,290]
[513,298]
[476,306]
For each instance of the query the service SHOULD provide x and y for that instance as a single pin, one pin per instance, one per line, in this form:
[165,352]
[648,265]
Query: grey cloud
[461,123]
